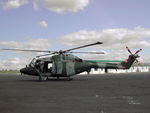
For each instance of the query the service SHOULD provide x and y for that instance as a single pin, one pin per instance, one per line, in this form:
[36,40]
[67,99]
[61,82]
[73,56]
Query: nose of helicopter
[29,71]
[23,70]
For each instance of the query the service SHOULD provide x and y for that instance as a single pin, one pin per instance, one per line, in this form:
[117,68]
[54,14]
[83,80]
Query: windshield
[32,63]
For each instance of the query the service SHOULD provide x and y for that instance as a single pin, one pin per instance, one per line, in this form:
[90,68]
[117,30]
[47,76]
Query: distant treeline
[9,71]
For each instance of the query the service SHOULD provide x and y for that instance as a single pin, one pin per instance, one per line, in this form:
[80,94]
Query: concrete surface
[107,93]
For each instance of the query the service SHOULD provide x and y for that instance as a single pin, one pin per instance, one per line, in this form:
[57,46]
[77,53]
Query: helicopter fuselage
[59,65]
[66,65]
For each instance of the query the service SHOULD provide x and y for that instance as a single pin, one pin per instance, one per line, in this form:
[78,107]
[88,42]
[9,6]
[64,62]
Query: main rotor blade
[47,54]
[25,50]
[89,52]
[83,46]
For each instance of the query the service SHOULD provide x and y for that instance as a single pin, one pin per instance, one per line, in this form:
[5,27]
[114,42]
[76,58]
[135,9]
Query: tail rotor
[138,51]
[135,55]
[128,50]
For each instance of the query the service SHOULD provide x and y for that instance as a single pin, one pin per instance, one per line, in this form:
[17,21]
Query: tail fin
[128,63]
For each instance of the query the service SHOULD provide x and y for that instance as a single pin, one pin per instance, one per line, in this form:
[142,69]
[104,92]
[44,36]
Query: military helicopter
[65,64]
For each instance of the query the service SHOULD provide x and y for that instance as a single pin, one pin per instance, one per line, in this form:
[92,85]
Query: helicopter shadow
[52,80]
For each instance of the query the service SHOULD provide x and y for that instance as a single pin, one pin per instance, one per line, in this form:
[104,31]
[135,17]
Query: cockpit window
[32,63]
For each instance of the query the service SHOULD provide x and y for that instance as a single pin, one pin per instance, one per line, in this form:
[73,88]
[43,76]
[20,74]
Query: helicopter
[63,63]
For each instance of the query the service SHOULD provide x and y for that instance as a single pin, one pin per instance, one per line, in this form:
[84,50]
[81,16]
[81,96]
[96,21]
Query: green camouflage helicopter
[64,64]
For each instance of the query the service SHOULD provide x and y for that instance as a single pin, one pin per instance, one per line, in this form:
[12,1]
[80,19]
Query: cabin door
[57,67]
[70,68]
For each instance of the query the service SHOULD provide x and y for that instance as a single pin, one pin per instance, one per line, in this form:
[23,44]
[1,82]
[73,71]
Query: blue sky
[99,14]
[21,22]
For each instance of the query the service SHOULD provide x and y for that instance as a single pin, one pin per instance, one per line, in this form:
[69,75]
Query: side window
[49,65]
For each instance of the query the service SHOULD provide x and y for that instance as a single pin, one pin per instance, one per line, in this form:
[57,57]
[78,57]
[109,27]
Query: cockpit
[44,65]
[33,62]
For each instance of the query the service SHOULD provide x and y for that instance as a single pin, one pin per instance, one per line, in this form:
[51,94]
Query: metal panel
[59,67]
[70,68]
[53,68]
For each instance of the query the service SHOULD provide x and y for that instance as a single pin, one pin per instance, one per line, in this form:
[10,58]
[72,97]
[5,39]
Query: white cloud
[61,6]
[112,38]
[14,63]
[114,42]
[30,44]
[43,24]
[145,59]
[39,43]
[35,6]
[11,4]
[24,58]
[58,6]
